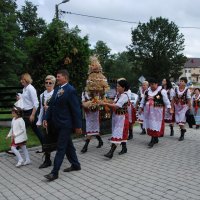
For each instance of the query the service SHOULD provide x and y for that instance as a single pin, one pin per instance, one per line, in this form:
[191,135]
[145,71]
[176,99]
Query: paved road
[170,170]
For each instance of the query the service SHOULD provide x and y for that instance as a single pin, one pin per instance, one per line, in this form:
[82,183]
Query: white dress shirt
[29,96]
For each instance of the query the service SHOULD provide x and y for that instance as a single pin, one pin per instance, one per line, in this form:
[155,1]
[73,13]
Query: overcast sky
[117,35]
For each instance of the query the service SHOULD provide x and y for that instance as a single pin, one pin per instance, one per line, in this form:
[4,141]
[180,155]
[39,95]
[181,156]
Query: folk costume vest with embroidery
[182,99]
[196,103]
[157,99]
[123,110]
[43,100]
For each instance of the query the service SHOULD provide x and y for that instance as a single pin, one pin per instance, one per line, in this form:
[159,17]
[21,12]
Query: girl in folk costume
[120,121]
[182,102]
[19,137]
[196,106]
[95,90]
[141,93]
[153,105]
[169,118]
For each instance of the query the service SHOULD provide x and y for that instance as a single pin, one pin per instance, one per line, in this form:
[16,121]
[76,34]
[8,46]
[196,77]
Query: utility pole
[56,8]
[57,17]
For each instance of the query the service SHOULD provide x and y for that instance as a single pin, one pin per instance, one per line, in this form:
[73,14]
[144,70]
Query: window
[186,71]
[189,71]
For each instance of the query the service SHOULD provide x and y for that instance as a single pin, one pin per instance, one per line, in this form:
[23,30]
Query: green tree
[102,51]
[120,66]
[157,49]
[61,48]
[11,57]
[31,25]
[31,30]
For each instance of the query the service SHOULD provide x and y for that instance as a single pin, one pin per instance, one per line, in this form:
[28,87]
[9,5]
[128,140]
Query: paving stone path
[170,170]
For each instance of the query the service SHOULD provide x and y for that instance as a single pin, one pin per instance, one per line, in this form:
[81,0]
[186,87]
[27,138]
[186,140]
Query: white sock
[16,152]
[25,151]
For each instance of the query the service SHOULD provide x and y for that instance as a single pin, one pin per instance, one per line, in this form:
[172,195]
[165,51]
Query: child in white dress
[18,137]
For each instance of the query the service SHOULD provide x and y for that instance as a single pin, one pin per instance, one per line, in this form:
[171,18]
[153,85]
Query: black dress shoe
[70,169]
[51,177]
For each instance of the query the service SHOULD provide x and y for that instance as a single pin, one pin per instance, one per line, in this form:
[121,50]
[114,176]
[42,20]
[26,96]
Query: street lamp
[57,11]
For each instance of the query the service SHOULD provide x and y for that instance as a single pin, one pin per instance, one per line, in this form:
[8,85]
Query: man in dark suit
[65,114]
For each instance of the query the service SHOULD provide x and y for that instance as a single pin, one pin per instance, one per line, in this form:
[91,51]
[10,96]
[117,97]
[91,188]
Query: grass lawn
[5,116]
[33,140]
[5,144]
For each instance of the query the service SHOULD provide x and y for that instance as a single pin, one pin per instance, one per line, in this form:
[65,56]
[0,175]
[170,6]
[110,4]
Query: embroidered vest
[157,99]
[181,99]
[123,110]
[196,103]
[43,100]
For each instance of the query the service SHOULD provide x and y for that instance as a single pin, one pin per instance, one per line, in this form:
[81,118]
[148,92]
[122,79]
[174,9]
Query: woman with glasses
[50,138]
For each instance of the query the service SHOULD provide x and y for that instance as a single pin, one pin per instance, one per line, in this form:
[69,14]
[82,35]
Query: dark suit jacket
[64,109]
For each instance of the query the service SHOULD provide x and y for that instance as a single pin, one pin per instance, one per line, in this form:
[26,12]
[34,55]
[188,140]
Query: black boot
[171,130]
[124,148]
[143,130]
[156,140]
[100,141]
[47,161]
[84,149]
[182,134]
[110,153]
[130,135]
[152,142]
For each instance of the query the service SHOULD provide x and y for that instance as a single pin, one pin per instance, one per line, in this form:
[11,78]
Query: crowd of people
[60,114]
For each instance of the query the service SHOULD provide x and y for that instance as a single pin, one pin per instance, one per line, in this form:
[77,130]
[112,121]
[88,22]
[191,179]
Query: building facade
[191,70]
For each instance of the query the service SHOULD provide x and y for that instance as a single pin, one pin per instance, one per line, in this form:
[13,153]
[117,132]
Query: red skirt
[13,144]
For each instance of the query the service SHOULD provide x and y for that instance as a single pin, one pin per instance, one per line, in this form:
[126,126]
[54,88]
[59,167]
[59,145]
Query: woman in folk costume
[196,106]
[153,105]
[95,90]
[92,121]
[131,115]
[169,117]
[141,93]
[120,121]
[182,102]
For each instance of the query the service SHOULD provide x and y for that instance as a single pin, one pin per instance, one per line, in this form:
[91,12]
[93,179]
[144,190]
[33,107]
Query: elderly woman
[30,104]
[50,138]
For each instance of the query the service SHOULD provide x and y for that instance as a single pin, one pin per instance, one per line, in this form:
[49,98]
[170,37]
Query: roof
[192,63]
